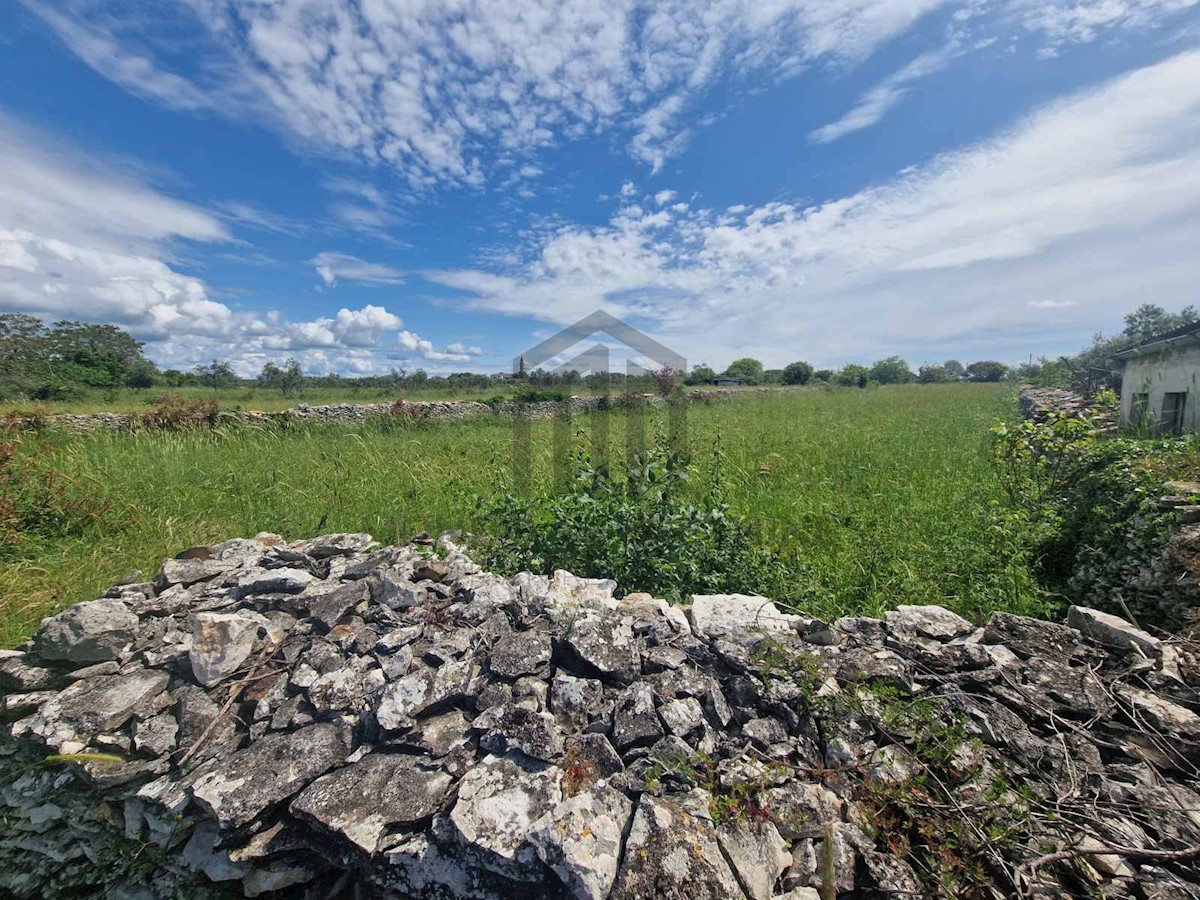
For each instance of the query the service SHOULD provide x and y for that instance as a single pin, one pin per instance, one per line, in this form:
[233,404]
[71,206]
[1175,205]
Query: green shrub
[639,527]
[1096,530]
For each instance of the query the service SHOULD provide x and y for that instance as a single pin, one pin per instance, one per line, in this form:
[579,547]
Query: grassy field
[877,497]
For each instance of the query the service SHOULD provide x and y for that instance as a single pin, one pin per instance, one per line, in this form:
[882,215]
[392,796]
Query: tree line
[893,370]
[64,359]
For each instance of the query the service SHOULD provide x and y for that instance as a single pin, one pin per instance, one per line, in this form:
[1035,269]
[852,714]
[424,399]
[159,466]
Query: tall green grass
[875,498]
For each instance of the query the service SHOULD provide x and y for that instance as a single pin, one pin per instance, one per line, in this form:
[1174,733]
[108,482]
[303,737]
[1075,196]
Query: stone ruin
[326,719]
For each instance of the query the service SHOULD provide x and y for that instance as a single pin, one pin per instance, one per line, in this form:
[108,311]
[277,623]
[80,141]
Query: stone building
[1159,384]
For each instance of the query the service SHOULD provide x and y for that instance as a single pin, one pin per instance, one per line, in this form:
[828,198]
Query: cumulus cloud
[425,349]
[333,267]
[87,240]
[1089,201]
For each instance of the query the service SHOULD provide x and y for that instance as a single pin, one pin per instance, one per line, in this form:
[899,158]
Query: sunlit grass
[877,497]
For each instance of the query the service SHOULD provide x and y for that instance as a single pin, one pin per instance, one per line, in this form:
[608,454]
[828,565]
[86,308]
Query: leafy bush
[1091,505]
[641,528]
[666,381]
[797,373]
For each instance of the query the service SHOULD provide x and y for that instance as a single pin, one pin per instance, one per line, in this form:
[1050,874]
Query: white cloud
[460,348]
[1070,21]
[1086,203]
[85,240]
[333,267]
[879,100]
[439,90]
[425,349]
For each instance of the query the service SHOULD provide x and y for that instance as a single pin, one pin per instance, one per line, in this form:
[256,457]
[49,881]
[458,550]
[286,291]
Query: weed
[36,499]
[641,528]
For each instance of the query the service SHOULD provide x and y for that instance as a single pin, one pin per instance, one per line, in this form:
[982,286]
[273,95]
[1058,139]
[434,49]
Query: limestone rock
[672,853]
[576,701]
[683,717]
[422,691]
[273,581]
[800,809]
[186,572]
[511,727]
[934,622]
[87,708]
[521,653]
[757,854]
[331,545]
[737,615]
[360,802]
[498,802]
[328,607]
[196,712]
[635,722]
[580,839]
[156,736]
[568,594]
[272,769]
[1112,631]
[221,642]
[606,646]
[87,632]
[20,672]
[440,735]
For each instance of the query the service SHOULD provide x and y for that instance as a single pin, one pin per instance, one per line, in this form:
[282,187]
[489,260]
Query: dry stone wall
[327,718]
[357,413]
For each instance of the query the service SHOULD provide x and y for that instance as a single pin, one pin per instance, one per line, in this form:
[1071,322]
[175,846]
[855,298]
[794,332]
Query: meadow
[874,497]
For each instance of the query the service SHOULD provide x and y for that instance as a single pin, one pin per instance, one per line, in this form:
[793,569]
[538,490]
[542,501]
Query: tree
[824,375]
[986,370]
[216,374]
[853,376]
[1149,320]
[701,374]
[666,381]
[749,369]
[797,373]
[54,360]
[289,379]
[142,374]
[954,368]
[892,370]
[933,375]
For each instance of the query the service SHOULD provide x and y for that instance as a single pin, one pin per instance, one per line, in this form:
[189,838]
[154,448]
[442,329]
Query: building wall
[1175,370]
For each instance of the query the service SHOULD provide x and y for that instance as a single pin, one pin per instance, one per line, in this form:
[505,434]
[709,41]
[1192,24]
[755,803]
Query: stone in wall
[330,718]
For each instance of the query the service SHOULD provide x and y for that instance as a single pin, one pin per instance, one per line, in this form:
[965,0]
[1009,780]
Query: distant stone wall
[329,719]
[357,413]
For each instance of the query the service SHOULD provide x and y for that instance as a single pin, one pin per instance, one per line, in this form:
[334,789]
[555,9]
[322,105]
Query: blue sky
[374,184]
